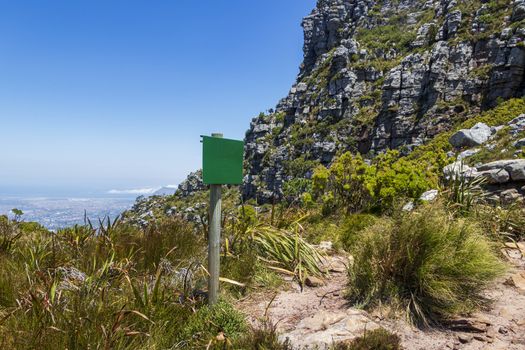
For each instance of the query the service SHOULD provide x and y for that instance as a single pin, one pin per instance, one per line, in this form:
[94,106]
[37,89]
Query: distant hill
[165,191]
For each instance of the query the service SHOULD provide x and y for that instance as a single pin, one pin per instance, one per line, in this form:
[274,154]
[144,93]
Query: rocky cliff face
[385,74]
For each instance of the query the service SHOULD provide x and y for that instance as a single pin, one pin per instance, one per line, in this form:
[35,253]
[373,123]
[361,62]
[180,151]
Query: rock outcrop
[474,136]
[193,183]
[503,179]
[385,74]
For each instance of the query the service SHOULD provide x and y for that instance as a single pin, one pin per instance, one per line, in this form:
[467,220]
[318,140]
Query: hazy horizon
[91,104]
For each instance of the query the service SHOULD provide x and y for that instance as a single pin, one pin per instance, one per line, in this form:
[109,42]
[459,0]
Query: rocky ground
[319,315]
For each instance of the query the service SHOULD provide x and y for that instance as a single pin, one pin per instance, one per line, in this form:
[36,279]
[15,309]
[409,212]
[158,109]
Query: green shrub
[210,321]
[295,188]
[174,236]
[434,265]
[351,228]
[247,217]
[378,339]
[385,37]
[399,177]
[10,233]
[345,184]
[356,186]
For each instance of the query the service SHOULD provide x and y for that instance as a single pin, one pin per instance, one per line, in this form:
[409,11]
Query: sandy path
[319,316]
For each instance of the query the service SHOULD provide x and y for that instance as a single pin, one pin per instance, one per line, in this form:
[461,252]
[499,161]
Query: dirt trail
[316,317]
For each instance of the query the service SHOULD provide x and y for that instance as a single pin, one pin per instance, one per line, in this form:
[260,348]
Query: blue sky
[98,95]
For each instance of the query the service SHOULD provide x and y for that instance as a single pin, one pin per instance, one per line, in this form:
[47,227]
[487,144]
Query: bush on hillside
[10,233]
[431,263]
[353,184]
[397,177]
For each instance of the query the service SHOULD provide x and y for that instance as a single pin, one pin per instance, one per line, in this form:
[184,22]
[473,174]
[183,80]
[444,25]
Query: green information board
[222,161]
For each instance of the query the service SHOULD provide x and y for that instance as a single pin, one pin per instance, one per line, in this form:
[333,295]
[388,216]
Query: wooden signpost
[222,161]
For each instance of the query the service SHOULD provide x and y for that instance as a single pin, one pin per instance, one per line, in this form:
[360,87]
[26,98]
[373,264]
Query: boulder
[517,124]
[514,167]
[193,183]
[495,176]
[468,153]
[518,12]
[520,143]
[452,23]
[458,168]
[516,170]
[498,164]
[511,196]
[409,206]
[474,136]
[325,245]
[429,196]
[517,280]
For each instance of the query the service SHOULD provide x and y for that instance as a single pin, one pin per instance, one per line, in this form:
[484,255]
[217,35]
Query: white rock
[520,143]
[495,176]
[468,153]
[517,170]
[408,207]
[474,136]
[458,168]
[429,196]
[498,164]
[325,245]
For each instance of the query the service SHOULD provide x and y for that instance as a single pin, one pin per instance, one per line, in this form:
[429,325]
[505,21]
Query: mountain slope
[385,74]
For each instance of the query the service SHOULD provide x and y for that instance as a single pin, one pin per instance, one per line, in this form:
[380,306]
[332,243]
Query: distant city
[55,212]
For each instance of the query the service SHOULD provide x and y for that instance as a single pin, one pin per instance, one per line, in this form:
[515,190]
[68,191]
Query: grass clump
[218,324]
[263,337]
[378,339]
[352,227]
[286,251]
[427,261]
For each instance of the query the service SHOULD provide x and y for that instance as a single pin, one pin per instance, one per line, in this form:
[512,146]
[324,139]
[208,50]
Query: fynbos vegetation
[400,150]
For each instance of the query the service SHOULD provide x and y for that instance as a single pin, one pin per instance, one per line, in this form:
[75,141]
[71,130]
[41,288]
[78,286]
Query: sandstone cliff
[385,74]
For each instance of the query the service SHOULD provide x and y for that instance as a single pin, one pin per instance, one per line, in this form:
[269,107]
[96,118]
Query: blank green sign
[222,161]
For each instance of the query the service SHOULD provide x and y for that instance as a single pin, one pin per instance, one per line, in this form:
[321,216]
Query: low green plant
[345,184]
[9,234]
[286,251]
[502,223]
[428,261]
[462,192]
[214,325]
[352,227]
[262,337]
[377,339]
